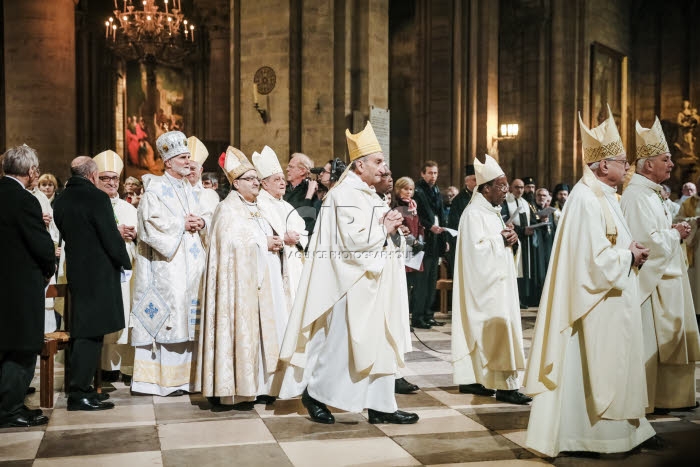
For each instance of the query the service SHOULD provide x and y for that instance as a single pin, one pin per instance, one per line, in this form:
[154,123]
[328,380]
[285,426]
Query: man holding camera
[300,189]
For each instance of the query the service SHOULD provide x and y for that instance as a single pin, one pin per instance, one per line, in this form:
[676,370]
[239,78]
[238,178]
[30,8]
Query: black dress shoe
[178,393]
[477,389]
[110,376]
[29,411]
[244,406]
[660,411]
[317,410]
[401,386]
[512,397]
[399,417]
[421,325]
[88,404]
[126,379]
[102,396]
[432,322]
[30,390]
[24,419]
[654,443]
[265,399]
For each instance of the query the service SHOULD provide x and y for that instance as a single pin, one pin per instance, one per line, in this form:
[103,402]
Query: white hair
[594,166]
[19,160]
[640,165]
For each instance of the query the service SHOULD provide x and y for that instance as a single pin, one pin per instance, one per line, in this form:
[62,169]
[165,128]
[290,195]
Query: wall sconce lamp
[508,131]
[263,112]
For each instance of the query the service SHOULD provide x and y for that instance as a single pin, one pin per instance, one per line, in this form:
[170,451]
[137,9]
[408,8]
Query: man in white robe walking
[348,330]
[586,368]
[487,340]
[170,262]
[671,341]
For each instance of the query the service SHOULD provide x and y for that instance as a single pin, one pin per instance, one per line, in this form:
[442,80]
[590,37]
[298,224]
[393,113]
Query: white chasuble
[207,198]
[586,367]
[487,341]
[244,311]
[690,211]
[672,343]
[350,293]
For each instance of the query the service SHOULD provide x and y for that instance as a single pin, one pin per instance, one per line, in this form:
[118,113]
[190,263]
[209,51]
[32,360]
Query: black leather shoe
[25,419]
[30,390]
[88,404]
[126,379]
[29,411]
[178,393]
[265,399]
[477,389]
[660,411]
[401,386]
[512,397]
[399,417]
[317,410]
[654,443]
[102,396]
[110,376]
[421,325]
[244,406]
[432,322]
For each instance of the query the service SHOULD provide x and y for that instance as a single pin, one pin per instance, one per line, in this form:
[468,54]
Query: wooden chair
[444,285]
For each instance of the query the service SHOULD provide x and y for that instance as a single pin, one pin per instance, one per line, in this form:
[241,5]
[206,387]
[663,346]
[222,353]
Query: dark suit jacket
[305,207]
[28,257]
[95,255]
[429,203]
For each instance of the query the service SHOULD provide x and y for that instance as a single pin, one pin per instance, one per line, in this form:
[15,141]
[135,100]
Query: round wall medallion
[265,78]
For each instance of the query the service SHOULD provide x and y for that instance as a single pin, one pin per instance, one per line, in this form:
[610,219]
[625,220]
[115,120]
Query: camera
[337,169]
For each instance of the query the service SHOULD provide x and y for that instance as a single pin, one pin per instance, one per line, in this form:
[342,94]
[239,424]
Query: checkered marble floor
[454,429]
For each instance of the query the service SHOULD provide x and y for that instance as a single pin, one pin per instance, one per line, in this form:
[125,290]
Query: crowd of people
[288,286]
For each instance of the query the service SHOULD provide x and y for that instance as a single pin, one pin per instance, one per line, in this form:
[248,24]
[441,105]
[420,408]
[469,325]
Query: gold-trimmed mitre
[266,163]
[236,164]
[198,152]
[487,171]
[171,144]
[109,161]
[363,143]
[650,141]
[601,142]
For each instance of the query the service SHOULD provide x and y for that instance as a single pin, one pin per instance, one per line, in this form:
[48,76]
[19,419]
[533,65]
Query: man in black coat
[429,204]
[28,263]
[459,204]
[95,258]
[301,190]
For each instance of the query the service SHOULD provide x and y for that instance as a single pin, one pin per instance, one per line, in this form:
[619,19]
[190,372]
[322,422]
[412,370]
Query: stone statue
[688,120]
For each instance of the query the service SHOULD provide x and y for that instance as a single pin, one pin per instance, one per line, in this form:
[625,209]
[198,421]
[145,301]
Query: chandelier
[151,32]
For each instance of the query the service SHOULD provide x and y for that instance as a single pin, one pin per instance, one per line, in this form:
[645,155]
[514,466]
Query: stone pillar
[218,109]
[40,89]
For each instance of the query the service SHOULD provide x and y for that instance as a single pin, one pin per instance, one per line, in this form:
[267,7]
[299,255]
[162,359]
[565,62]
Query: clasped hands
[510,237]
[392,220]
[128,232]
[274,243]
[193,223]
[291,237]
[683,228]
[640,253]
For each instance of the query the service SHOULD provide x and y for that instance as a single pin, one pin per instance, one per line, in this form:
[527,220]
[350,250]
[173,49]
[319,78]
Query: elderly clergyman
[586,366]
[348,330]
[170,260]
[487,340]
[671,341]
[208,198]
[117,352]
[244,312]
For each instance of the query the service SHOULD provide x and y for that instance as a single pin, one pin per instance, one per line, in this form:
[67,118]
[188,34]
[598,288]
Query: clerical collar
[175,180]
[355,179]
[607,189]
[642,180]
[247,203]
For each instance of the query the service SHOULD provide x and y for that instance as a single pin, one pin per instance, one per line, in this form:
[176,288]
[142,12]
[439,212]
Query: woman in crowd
[48,185]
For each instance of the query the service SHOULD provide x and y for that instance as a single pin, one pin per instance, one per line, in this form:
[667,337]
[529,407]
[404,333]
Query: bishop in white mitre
[487,340]
[244,313]
[586,366]
[207,198]
[117,352]
[348,330]
[283,218]
[170,261]
[671,340]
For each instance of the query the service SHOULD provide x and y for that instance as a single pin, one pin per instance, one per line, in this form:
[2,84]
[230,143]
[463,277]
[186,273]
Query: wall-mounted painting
[608,86]
[155,97]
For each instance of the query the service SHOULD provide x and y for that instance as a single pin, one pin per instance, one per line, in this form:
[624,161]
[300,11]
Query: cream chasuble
[586,365]
[348,316]
[207,198]
[283,218]
[244,311]
[690,211]
[487,341]
[672,343]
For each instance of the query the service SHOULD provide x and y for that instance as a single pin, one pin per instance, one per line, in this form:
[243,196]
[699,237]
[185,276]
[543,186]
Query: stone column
[40,90]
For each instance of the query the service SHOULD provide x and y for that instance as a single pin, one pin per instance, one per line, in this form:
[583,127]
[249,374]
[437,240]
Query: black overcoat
[28,258]
[95,255]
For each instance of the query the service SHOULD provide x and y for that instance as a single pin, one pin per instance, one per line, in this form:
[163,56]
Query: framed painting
[608,86]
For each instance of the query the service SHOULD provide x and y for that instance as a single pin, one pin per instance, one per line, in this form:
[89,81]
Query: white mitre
[487,171]
[198,152]
[650,141]
[601,142]
[236,164]
[109,161]
[266,163]
[171,144]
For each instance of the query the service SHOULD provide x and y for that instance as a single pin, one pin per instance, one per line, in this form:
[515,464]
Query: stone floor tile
[347,425]
[282,408]
[86,442]
[501,463]
[19,445]
[129,459]
[451,397]
[417,399]
[434,421]
[258,455]
[189,411]
[514,419]
[432,381]
[342,452]
[20,463]
[120,416]
[213,433]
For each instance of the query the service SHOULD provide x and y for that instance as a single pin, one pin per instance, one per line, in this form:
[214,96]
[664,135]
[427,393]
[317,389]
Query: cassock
[522,214]
[244,312]
[459,204]
[348,330]
[169,267]
[283,218]
[487,341]
[117,352]
[544,248]
[671,341]
[690,211]
[586,365]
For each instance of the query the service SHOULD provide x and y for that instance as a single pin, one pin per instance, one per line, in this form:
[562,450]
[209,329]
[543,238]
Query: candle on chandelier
[192,30]
[166,6]
[106,29]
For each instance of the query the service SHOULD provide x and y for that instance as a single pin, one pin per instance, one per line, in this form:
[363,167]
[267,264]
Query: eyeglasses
[107,178]
[518,187]
[249,179]
[623,161]
[386,176]
[503,188]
